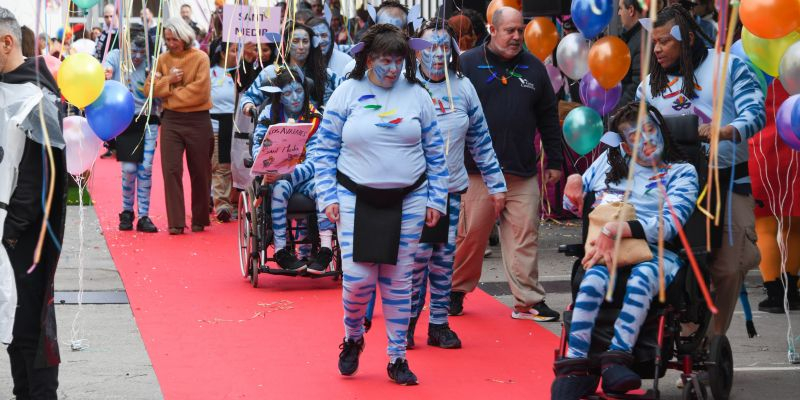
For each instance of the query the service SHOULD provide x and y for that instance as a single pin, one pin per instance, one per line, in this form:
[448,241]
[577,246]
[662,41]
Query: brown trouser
[730,264]
[519,238]
[221,182]
[189,132]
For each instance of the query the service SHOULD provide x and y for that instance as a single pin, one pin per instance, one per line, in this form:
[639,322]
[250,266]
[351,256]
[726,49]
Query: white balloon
[789,70]
[82,145]
[84,46]
[573,55]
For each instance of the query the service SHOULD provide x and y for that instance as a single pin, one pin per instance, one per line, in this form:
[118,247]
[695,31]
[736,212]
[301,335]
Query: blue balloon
[112,112]
[592,16]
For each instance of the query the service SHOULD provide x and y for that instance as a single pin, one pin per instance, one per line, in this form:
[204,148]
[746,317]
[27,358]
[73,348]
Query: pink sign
[250,23]
[282,149]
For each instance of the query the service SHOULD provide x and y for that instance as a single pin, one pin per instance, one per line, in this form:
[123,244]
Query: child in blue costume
[136,146]
[290,102]
[381,174]
[658,161]
[461,121]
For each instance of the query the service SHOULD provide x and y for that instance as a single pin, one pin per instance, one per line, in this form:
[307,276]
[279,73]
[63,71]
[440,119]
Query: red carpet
[210,335]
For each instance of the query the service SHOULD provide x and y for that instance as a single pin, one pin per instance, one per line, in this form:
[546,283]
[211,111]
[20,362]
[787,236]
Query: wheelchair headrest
[683,128]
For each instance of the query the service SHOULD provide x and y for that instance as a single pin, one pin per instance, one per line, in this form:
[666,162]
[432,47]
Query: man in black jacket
[25,150]
[629,13]
[517,99]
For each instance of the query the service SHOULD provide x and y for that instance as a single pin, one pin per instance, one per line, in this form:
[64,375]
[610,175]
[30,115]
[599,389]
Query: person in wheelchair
[290,102]
[657,159]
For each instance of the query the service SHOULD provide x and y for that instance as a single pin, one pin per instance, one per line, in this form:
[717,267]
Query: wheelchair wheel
[337,259]
[690,391]
[720,367]
[245,246]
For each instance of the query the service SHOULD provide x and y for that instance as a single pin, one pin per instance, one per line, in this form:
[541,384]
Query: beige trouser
[730,264]
[221,180]
[519,238]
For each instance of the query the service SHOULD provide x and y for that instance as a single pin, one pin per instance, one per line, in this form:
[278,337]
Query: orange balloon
[541,37]
[609,61]
[770,19]
[495,4]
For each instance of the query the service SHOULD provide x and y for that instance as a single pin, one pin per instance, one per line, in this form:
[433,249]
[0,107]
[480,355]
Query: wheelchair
[255,235]
[705,362]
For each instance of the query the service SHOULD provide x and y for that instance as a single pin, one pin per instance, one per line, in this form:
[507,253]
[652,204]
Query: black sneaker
[539,312]
[400,374]
[224,215]
[367,324]
[320,263]
[412,325]
[126,221]
[108,154]
[348,357]
[288,261]
[440,335]
[456,303]
[146,225]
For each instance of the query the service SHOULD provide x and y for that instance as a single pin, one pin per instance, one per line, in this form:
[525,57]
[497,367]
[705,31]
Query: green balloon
[762,81]
[583,129]
[84,4]
[766,54]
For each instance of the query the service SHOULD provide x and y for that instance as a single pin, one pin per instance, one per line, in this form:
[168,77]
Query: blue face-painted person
[658,169]
[136,145]
[379,138]
[290,102]
[460,118]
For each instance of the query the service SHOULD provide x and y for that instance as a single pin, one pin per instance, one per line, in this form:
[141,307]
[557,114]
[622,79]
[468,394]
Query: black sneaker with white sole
[288,261]
[348,357]
[539,312]
[400,374]
[320,263]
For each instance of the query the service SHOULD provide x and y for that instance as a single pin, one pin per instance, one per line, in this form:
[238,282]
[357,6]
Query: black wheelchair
[705,362]
[255,234]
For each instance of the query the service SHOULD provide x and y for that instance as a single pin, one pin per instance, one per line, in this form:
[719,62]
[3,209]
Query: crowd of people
[426,140]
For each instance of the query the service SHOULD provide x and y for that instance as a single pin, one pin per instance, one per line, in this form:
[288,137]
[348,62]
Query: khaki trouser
[730,264]
[519,238]
[221,182]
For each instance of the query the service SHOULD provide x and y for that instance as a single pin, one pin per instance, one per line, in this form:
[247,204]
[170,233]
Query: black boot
[792,292]
[440,335]
[774,301]
[573,379]
[320,263]
[456,303]
[126,221]
[146,225]
[618,378]
[412,324]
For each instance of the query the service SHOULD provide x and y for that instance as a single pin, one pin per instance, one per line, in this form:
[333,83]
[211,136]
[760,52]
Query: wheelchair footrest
[303,273]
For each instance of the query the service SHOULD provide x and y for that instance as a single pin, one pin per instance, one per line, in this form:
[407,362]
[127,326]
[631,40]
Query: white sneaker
[487,252]
[679,383]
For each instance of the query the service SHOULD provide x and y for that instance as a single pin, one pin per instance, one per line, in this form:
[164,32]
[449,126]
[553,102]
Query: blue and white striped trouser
[138,177]
[359,280]
[281,192]
[641,287]
[435,261]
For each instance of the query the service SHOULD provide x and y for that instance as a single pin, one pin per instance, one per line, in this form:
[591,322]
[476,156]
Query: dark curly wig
[385,39]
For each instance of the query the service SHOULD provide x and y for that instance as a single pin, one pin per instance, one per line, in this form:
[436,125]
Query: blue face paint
[324,35]
[292,99]
[387,69]
[433,58]
[651,144]
[137,55]
[300,45]
[387,17]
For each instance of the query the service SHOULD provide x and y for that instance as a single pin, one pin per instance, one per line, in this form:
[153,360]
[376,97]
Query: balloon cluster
[108,105]
[770,44]
[600,66]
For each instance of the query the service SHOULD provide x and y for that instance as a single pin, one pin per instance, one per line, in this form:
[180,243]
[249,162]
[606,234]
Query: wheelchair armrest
[572,250]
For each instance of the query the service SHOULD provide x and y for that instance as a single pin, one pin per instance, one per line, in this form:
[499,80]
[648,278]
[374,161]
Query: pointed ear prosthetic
[316,41]
[272,37]
[270,89]
[647,24]
[357,48]
[372,13]
[611,138]
[326,11]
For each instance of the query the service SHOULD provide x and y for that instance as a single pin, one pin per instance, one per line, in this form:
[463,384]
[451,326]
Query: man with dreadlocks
[682,81]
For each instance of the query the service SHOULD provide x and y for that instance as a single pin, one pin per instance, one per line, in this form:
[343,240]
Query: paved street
[115,365]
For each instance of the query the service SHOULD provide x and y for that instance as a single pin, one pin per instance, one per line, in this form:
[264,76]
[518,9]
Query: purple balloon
[598,98]
[555,77]
[790,133]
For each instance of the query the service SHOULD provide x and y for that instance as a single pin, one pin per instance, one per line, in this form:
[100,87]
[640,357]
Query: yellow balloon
[81,79]
[766,54]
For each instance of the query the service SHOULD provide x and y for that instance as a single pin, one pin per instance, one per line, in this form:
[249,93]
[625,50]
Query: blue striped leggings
[641,287]
[359,280]
[137,178]
[435,262]
[300,181]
